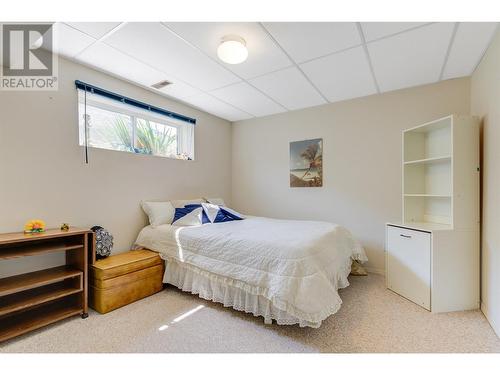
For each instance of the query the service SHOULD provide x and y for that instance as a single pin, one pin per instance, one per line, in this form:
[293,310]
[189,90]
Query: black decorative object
[103,242]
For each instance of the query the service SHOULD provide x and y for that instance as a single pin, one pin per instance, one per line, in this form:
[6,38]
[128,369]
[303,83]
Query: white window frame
[145,115]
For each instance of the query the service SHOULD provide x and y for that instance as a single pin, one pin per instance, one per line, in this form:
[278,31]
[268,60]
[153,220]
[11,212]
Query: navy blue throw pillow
[188,208]
[224,215]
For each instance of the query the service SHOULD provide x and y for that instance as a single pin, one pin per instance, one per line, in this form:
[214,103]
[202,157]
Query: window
[114,125]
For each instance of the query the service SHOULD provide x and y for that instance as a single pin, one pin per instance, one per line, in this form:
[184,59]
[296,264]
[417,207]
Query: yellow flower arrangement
[34,226]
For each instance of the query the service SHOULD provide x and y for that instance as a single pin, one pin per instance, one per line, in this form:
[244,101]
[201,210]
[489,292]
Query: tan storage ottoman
[124,278]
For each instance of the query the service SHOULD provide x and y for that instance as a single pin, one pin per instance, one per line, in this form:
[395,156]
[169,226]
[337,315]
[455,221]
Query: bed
[288,271]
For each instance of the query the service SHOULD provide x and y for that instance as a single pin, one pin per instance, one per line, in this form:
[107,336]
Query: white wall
[42,174]
[485,102]
[361,159]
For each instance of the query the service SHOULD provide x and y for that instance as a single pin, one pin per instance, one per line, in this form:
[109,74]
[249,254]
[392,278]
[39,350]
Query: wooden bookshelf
[19,283]
[22,251]
[18,237]
[36,299]
[33,298]
[37,318]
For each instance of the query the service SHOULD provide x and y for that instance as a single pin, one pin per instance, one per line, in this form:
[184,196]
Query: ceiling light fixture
[232,49]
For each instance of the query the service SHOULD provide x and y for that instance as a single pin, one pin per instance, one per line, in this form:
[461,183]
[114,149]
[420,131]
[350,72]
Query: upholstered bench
[124,278]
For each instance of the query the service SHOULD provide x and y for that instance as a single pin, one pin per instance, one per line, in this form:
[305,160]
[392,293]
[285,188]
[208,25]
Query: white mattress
[285,270]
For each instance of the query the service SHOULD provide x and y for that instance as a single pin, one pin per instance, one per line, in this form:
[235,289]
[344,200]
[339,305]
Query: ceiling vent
[161,84]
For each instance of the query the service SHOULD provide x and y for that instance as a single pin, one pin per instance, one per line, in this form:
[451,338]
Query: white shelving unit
[427,172]
[433,253]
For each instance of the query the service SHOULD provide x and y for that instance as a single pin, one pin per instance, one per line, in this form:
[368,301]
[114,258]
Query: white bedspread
[297,265]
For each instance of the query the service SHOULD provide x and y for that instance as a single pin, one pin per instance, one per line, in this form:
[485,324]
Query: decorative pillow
[234,212]
[158,212]
[226,215]
[181,203]
[219,214]
[217,201]
[211,210]
[190,215]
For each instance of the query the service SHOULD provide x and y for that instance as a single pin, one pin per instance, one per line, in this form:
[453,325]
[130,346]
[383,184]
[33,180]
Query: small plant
[121,131]
[155,139]
[150,138]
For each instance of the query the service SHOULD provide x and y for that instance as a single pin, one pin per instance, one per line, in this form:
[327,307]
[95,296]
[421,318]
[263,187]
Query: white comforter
[297,265]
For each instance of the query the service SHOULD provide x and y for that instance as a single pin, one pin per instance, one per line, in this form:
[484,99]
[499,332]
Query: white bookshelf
[433,252]
[427,173]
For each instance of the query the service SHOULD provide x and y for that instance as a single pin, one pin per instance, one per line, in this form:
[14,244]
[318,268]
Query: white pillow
[182,202]
[159,212]
[190,219]
[217,201]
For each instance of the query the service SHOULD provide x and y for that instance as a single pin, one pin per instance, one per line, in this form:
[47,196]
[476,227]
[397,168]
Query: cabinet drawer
[409,264]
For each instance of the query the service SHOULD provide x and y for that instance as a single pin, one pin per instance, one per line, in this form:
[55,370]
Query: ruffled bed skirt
[240,296]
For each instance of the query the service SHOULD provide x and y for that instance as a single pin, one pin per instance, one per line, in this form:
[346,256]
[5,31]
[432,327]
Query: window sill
[98,149]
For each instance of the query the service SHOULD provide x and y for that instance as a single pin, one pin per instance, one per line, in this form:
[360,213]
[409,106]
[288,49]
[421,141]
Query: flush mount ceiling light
[232,49]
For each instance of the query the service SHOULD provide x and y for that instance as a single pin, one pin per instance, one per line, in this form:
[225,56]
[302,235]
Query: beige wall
[42,174]
[485,102]
[361,161]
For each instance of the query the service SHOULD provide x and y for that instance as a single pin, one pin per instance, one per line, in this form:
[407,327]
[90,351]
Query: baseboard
[378,271]
[484,309]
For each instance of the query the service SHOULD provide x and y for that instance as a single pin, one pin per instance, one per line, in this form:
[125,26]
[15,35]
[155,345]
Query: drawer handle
[405,236]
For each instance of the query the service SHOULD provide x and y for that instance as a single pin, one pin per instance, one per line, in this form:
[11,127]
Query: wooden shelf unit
[30,320]
[22,251]
[20,283]
[33,300]
[39,296]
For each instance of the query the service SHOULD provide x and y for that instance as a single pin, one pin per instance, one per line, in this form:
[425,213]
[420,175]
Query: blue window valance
[136,103]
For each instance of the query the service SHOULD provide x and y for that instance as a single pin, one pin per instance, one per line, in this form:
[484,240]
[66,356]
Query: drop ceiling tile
[376,30]
[471,40]
[342,76]
[154,44]
[289,88]
[68,42]
[248,99]
[214,106]
[412,58]
[104,57]
[263,54]
[94,29]
[307,40]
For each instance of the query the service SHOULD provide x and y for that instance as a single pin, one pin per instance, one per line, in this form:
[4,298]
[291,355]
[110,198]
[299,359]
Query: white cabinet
[432,254]
[409,262]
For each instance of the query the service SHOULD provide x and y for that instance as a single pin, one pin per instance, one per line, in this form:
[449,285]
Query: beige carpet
[372,319]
